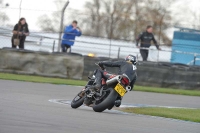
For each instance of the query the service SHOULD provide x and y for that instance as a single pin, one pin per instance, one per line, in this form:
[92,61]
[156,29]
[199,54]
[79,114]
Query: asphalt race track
[25,108]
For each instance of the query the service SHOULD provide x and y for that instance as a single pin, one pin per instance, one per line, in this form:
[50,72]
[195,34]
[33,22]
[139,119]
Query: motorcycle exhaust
[120,78]
[114,80]
[128,88]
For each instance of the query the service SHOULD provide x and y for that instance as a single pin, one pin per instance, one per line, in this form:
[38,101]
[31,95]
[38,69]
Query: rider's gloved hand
[101,65]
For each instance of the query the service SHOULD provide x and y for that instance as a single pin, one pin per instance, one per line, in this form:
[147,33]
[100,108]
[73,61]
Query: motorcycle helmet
[132,59]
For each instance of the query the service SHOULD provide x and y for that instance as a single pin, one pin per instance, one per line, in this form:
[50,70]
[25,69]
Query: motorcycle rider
[127,67]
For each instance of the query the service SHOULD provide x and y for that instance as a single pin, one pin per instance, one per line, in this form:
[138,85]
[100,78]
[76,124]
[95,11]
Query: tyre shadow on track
[86,108]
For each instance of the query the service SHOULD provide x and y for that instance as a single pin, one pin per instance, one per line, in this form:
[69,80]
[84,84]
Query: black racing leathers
[124,68]
[146,39]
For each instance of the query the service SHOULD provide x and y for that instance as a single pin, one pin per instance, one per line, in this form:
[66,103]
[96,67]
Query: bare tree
[187,17]
[108,17]
[95,19]
[193,20]
[51,22]
[3,16]
[46,23]
[160,17]
[126,19]
[196,18]
[117,19]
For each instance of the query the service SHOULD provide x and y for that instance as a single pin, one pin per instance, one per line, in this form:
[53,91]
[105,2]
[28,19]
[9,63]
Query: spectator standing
[20,32]
[146,38]
[69,36]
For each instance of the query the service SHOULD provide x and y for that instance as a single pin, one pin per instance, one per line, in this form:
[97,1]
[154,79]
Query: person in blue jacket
[69,36]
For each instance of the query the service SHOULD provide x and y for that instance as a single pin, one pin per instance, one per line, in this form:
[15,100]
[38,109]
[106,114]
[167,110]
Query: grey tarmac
[25,108]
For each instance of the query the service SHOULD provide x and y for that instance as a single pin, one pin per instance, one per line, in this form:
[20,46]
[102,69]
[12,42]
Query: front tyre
[77,101]
[109,101]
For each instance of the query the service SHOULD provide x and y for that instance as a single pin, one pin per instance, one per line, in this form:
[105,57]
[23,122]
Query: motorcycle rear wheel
[109,101]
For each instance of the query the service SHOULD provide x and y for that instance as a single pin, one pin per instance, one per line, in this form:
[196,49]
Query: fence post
[110,49]
[53,45]
[111,34]
[61,24]
[158,56]
[20,6]
[118,52]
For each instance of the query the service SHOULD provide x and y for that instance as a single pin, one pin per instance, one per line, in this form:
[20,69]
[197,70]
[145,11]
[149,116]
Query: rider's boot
[118,101]
[97,82]
[96,87]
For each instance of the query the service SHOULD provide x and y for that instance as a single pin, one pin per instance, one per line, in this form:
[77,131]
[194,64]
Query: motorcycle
[107,97]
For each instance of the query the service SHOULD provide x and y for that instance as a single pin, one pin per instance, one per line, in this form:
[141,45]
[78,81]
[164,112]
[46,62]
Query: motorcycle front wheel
[77,101]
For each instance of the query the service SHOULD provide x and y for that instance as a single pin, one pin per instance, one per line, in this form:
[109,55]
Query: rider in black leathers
[127,67]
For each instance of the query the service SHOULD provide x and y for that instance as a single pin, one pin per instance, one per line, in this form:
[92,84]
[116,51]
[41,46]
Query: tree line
[117,19]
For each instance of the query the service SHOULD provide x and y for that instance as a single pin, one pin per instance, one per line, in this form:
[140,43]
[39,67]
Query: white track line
[68,102]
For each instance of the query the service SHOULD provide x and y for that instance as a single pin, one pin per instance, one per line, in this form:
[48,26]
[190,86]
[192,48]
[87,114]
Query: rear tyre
[108,102]
[77,101]
[109,108]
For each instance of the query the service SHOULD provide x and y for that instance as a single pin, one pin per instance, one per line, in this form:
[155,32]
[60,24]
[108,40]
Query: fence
[107,35]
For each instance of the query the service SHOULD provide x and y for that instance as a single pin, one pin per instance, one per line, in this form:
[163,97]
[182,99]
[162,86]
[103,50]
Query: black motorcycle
[107,97]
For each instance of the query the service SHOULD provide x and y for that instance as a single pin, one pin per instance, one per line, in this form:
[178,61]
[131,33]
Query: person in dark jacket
[20,31]
[69,36]
[146,38]
[127,67]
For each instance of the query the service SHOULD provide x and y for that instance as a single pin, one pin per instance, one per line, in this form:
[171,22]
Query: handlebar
[103,68]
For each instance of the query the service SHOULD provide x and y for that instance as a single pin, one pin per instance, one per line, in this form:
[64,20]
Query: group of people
[144,38]
[21,30]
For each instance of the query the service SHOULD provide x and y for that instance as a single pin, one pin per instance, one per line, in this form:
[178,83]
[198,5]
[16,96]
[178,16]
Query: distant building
[186,47]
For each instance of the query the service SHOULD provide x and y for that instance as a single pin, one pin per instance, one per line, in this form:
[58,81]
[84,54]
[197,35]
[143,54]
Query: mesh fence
[109,31]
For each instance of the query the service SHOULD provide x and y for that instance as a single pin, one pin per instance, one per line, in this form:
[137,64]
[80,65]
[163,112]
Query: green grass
[168,90]
[39,79]
[175,113]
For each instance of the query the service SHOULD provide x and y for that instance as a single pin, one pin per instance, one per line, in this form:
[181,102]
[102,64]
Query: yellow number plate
[120,89]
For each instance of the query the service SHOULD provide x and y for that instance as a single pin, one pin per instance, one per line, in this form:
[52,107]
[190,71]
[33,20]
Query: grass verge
[168,90]
[175,113]
[39,79]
